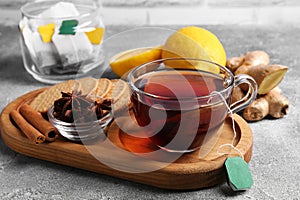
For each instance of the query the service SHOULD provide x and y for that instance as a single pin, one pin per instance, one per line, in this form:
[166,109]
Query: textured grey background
[242,26]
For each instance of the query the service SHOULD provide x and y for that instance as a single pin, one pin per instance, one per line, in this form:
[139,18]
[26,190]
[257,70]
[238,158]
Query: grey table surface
[275,162]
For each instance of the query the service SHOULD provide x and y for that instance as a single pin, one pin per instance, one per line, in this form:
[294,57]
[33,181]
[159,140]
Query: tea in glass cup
[179,106]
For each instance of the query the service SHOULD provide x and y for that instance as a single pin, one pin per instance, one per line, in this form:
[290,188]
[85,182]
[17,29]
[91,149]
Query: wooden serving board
[128,157]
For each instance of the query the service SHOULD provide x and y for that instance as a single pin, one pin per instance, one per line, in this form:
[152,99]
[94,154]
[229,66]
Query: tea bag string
[231,145]
[238,101]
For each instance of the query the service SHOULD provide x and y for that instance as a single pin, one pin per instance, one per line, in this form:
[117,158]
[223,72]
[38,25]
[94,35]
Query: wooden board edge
[178,182]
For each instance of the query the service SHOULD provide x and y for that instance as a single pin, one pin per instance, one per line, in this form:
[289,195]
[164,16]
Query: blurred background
[183,12]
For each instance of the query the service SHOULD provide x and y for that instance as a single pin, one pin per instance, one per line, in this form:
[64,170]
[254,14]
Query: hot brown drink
[175,108]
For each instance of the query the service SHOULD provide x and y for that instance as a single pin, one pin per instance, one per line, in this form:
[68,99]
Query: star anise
[80,108]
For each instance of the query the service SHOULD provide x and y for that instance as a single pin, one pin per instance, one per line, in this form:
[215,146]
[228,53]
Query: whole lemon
[195,42]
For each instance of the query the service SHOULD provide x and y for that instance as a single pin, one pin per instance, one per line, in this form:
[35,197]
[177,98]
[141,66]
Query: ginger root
[251,59]
[267,76]
[256,64]
[235,62]
[278,104]
[237,94]
[273,104]
[246,61]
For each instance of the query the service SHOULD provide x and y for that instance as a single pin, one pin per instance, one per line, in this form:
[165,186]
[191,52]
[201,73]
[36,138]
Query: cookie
[117,90]
[87,85]
[44,100]
[120,94]
[103,87]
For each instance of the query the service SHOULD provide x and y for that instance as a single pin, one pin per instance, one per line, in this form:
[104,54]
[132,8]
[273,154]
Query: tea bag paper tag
[96,35]
[46,32]
[68,27]
[238,173]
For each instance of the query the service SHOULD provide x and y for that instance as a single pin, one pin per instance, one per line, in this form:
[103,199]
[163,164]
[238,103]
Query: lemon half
[123,62]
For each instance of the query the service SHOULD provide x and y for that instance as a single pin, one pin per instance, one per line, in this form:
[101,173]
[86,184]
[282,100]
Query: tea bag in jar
[61,39]
[43,54]
[72,46]
[60,10]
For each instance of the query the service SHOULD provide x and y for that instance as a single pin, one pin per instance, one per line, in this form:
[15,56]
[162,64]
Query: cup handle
[250,95]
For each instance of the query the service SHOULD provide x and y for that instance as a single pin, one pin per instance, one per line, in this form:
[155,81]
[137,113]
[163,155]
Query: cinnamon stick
[31,133]
[37,120]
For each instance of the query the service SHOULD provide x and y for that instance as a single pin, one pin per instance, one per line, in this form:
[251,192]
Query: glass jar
[61,40]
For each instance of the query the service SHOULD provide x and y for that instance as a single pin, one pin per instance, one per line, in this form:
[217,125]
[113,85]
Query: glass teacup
[179,102]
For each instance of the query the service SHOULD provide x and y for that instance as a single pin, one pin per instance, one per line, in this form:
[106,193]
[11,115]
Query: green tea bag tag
[237,170]
[238,173]
[68,27]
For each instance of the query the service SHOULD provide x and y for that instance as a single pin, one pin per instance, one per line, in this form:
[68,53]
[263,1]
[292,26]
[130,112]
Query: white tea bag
[28,39]
[43,54]
[60,10]
[72,48]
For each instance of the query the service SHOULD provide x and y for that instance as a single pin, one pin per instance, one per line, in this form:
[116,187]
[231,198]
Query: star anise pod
[80,108]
